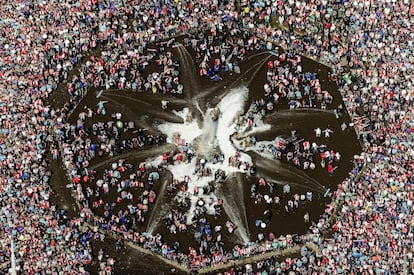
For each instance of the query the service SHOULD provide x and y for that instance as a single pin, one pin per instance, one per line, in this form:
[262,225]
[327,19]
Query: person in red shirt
[331,168]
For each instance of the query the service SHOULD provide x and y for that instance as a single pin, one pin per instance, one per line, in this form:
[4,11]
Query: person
[327,132]
[101,107]
[309,195]
[318,132]
[216,78]
[286,188]
[164,104]
[331,168]
[306,217]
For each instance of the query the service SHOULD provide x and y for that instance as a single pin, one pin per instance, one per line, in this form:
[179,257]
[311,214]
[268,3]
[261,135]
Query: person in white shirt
[327,132]
[318,132]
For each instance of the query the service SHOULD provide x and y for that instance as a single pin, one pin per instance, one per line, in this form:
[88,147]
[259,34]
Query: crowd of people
[42,42]
[366,38]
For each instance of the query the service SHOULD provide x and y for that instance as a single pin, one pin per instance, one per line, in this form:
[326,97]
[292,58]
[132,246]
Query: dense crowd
[367,43]
[370,214]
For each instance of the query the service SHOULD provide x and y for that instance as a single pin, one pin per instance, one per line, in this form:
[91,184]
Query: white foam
[180,171]
[153,162]
[183,113]
[207,140]
[187,130]
[231,107]
[259,126]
